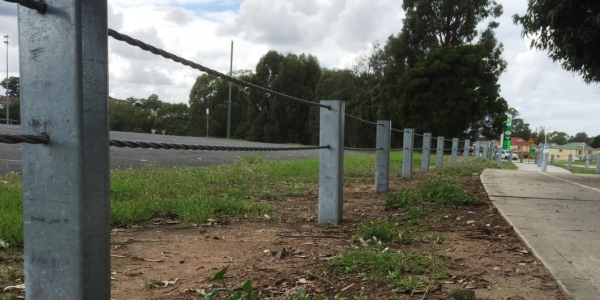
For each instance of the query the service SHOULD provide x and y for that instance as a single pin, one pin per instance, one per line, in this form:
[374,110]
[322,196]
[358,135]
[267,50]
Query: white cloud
[336,31]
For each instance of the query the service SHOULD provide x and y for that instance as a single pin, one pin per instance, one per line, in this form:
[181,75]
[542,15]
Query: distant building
[117,101]
[578,150]
[11,100]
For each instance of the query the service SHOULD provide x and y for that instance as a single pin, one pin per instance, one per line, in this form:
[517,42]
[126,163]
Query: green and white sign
[507,133]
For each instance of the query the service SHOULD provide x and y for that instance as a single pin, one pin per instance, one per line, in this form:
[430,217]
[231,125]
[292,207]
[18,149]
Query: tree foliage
[13,86]
[443,72]
[569,30]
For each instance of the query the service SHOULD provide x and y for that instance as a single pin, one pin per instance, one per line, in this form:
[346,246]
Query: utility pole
[7,111]
[229,103]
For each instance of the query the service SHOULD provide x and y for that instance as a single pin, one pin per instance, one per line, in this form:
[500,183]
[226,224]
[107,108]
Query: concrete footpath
[532,167]
[558,216]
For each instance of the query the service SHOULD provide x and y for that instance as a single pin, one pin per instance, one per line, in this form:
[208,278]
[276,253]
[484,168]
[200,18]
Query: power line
[146,47]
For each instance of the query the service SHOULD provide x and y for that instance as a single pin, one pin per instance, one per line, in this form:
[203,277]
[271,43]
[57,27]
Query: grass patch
[11,210]
[384,231]
[11,270]
[578,170]
[443,186]
[435,189]
[193,195]
[462,295]
[404,272]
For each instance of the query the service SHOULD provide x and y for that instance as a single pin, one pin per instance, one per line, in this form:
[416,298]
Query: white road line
[575,183]
[9,160]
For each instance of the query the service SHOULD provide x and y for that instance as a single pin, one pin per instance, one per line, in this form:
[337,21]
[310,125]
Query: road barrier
[66,183]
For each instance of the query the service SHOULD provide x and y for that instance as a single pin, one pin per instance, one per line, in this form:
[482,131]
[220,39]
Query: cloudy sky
[336,31]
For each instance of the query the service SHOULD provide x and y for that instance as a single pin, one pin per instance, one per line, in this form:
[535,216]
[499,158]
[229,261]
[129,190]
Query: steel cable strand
[134,42]
[40,5]
[362,120]
[173,146]
[24,138]
[362,149]
[397,130]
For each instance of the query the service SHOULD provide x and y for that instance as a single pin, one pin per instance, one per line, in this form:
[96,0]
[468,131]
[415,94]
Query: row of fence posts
[66,184]
[542,160]
[331,160]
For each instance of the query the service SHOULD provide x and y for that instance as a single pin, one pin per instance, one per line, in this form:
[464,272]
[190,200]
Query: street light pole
[229,103]
[7,111]
[207,111]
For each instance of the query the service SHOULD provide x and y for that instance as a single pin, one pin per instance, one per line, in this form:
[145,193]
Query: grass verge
[405,272]
[578,170]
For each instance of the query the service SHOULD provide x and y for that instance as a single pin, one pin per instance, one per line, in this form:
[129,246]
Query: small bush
[403,271]
[445,192]
[384,231]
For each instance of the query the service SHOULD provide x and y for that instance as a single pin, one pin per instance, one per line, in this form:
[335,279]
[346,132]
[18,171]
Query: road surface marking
[10,160]
[575,183]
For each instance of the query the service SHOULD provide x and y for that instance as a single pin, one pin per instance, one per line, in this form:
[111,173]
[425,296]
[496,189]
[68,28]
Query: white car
[505,153]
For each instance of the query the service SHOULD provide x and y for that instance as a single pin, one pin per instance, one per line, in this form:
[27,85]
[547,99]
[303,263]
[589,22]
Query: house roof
[573,146]
[516,141]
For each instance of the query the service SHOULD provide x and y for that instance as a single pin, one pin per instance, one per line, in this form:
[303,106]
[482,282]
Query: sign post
[507,132]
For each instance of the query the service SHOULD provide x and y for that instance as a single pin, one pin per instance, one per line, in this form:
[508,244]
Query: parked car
[505,153]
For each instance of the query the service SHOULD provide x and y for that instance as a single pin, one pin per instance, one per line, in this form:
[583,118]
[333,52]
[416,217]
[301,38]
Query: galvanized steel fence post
[64,93]
[540,154]
[454,150]
[587,161]
[467,146]
[426,152]
[331,162]
[486,149]
[498,156]
[439,153]
[407,153]
[570,161]
[545,158]
[477,149]
[552,159]
[382,156]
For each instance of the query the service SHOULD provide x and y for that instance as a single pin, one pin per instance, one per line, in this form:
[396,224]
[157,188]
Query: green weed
[402,271]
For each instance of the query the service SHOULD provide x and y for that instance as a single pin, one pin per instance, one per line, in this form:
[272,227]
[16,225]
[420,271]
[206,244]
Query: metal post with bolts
[467,146]
[545,153]
[331,162]
[587,161]
[407,153]
[454,150]
[426,152]
[439,153]
[382,157]
[486,148]
[570,161]
[499,157]
[66,208]
[541,155]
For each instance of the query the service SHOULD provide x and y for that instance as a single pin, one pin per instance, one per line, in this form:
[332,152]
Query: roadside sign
[530,141]
[532,151]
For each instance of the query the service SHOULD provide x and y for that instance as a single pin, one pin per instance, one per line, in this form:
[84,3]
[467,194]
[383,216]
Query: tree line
[439,74]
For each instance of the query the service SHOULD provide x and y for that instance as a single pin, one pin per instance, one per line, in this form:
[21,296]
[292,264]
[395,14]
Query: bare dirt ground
[288,250]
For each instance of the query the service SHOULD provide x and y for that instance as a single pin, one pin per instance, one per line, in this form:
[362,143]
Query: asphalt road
[10,155]
[557,215]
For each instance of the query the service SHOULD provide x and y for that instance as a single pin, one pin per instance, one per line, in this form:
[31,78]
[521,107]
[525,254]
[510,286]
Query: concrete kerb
[567,274]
